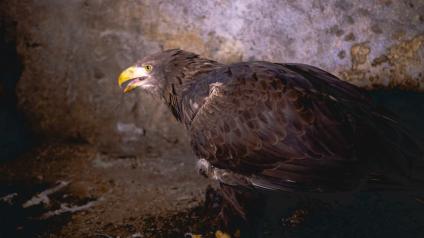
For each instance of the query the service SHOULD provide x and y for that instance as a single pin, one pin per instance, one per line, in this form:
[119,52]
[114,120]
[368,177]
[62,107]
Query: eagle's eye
[148,67]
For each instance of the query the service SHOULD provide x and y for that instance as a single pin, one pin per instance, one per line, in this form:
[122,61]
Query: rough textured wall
[73,51]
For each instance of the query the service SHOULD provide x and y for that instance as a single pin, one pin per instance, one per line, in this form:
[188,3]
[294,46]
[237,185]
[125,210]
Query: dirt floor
[72,190]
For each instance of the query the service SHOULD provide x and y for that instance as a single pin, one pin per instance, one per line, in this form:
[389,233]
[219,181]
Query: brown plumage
[290,127]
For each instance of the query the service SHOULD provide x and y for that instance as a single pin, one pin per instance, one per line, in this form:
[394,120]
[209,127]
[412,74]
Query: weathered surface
[113,193]
[73,51]
[160,196]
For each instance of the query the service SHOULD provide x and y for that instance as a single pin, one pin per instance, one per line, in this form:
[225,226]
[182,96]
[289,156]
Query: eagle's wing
[288,127]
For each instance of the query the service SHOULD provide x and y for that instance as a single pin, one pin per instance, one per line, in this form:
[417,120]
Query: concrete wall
[72,52]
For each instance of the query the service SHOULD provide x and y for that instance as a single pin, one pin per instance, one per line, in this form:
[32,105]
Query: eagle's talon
[221,234]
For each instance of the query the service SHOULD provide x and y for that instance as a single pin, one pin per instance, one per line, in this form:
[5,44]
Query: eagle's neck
[185,73]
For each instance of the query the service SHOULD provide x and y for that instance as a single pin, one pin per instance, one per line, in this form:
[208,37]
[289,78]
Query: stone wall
[72,52]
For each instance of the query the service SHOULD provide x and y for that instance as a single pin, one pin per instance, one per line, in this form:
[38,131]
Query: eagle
[277,126]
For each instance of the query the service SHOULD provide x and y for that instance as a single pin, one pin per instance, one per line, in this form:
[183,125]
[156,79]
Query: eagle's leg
[235,197]
[233,203]
[236,200]
[234,212]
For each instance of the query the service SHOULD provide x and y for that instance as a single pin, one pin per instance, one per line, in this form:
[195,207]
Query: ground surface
[89,194]
[121,194]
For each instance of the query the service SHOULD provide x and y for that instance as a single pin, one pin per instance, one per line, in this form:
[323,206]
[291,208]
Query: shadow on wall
[408,107]
[14,136]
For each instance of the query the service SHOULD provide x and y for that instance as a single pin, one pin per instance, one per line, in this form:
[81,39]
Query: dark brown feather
[296,127]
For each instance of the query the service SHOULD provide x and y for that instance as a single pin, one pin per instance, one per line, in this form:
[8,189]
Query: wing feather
[287,127]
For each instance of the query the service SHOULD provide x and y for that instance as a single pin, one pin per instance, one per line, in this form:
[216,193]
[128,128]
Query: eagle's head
[147,74]
[155,72]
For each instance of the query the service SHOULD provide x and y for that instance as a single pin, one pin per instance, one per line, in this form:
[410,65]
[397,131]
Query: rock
[73,51]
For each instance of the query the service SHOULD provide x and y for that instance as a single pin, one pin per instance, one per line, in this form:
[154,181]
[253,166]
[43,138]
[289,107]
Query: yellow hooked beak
[133,77]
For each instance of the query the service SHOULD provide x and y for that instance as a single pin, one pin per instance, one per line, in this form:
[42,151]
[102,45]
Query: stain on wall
[73,51]
[400,66]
